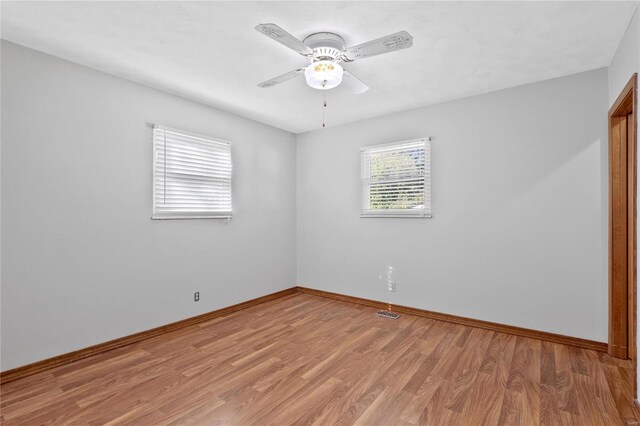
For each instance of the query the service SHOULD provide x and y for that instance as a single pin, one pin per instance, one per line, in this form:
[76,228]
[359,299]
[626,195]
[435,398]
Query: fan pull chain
[324,101]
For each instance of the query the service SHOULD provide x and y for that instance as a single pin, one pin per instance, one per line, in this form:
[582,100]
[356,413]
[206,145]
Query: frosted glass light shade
[323,75]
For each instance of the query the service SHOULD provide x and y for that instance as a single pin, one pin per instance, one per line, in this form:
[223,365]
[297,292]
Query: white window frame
[367,212]
[156,178]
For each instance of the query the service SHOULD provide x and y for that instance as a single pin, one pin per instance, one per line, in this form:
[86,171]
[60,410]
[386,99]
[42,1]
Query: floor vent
[388,314]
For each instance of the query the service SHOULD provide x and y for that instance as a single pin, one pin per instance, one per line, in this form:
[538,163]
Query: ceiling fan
[325,51]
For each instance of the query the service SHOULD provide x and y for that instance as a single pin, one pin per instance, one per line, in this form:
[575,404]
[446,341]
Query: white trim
[189,217]
[194,135]
[408,216]
[422,139]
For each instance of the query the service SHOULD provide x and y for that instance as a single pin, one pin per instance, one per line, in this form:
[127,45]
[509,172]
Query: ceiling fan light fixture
[323,75]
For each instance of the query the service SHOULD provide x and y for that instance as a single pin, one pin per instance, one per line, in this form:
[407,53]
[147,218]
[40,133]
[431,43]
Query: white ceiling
[209,51]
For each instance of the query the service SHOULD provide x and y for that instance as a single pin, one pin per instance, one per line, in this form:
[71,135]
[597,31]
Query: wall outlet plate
[196,296]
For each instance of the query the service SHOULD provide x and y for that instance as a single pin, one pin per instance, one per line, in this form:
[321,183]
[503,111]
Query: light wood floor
[305,359]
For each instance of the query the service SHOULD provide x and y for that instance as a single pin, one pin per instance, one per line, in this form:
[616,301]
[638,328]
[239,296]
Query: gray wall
[519,200]
[518,234]
[82,262]
[625,63]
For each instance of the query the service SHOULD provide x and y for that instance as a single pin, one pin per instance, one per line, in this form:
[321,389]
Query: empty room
[319,213]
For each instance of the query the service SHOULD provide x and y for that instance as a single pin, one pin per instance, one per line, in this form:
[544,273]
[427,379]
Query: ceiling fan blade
[281,78]
[390,43]
[281,36]
[354,83]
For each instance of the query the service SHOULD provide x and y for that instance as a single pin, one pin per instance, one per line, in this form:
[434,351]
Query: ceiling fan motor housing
[326,46]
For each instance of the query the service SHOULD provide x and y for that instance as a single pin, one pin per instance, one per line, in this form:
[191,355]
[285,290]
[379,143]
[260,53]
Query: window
[396,179]
[191,175]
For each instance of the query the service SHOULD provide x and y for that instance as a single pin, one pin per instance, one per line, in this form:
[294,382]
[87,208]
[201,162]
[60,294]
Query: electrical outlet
[392,285]
[196,296]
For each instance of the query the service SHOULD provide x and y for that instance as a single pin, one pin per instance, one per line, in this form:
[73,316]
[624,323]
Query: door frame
[623,117]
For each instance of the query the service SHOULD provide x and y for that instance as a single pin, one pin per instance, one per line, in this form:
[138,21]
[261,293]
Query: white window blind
[396,179]
[191,175]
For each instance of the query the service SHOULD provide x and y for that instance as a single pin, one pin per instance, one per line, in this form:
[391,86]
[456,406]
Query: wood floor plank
[493,381]
[304,359]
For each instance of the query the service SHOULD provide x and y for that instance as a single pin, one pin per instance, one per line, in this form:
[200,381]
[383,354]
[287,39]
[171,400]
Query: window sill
[188,217]
[397,215]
